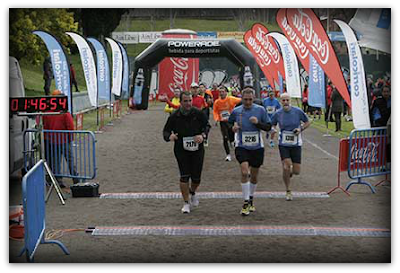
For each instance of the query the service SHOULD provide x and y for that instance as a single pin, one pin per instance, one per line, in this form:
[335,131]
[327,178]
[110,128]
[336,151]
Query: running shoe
[252,208]
[205,143]
[186,208]
[289,196]
[245,209]
[272,144]
[194,200]
[228,158]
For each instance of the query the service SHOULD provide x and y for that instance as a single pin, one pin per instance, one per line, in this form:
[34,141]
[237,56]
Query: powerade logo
[116,61]
[194,47]
[194,44]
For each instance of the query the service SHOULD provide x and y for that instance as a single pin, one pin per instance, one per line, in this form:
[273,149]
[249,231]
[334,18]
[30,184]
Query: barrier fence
[69,154]
[363,155]
[116,112]
[33,200]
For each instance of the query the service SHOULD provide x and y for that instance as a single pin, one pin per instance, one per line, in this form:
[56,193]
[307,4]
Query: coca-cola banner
[299,47]
[177,72]
[259,31]
[263,59]
[310,31]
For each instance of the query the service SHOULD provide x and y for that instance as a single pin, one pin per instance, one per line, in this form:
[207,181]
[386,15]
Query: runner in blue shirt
[292,121]
[248,120]
[272,105]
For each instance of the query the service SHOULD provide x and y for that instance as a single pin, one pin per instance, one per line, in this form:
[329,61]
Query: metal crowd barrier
[33,200]
[367,155]
[69,154]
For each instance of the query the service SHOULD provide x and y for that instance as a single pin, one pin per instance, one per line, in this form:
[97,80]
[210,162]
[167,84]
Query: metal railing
[367,155]
[69,154]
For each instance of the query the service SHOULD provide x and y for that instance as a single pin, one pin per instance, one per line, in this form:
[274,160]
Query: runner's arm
[263,126]
[167,131]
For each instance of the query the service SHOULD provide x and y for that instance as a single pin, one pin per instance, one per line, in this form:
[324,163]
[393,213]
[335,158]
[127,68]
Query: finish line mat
[209,195]
[239,231]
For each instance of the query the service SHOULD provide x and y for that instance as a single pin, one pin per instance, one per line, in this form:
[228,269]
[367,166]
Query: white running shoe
[228,158]
[289,196]
[186,208]
[194,200]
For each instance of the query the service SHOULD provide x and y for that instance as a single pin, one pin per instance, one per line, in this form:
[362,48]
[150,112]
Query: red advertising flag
[309,29]
[177,72]
[259,31]
[261,56]
[299,47]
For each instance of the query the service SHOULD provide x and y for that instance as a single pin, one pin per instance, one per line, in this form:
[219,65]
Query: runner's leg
[286,163]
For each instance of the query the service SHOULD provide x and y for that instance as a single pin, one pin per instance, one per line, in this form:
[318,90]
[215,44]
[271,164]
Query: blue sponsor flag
[125,73]
[60,65]
[316,84]
[103,70]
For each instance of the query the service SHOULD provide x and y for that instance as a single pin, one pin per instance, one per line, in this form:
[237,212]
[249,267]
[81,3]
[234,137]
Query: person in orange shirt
[223,107]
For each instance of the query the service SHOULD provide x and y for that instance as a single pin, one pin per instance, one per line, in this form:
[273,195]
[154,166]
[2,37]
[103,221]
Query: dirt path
[132,157]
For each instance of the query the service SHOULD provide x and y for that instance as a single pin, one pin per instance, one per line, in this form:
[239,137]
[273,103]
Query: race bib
[270,109]
[225,115]
[189,144]
[250,138]
[289,137]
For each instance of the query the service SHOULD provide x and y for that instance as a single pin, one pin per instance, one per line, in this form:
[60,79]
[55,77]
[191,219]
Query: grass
[347,127]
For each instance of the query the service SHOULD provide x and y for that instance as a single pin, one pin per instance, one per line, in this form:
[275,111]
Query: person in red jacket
[58,145]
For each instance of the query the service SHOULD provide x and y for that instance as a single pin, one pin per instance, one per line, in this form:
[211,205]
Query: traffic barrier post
[363,155]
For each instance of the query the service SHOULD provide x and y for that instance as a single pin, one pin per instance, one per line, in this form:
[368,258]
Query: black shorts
[294,153]
[190,164]
[255,158]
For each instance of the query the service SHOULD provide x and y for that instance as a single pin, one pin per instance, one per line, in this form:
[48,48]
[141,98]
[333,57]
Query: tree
[24,44]
[98,22]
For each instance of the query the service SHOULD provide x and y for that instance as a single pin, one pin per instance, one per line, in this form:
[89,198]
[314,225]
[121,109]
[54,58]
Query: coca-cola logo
[364,154]
[300,47]
[261,53]
[302,22]
[180,73]
[267,45]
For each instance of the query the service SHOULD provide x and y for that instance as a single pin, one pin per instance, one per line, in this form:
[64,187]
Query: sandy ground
[133,157]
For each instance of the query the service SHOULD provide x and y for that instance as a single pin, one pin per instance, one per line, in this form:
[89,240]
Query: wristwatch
[203,135]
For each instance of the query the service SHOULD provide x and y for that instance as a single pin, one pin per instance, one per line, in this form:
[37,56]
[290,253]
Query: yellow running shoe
[245,209]
[252,208]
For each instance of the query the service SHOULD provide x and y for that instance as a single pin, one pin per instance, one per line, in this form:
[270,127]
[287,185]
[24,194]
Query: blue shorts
[294,153]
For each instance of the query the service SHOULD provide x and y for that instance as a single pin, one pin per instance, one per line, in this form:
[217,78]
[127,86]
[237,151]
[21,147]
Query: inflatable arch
[186,48]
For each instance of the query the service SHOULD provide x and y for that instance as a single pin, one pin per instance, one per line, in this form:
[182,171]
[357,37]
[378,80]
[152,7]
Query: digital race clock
[39,104]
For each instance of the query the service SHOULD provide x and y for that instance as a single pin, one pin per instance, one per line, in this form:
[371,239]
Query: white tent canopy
[374,27]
